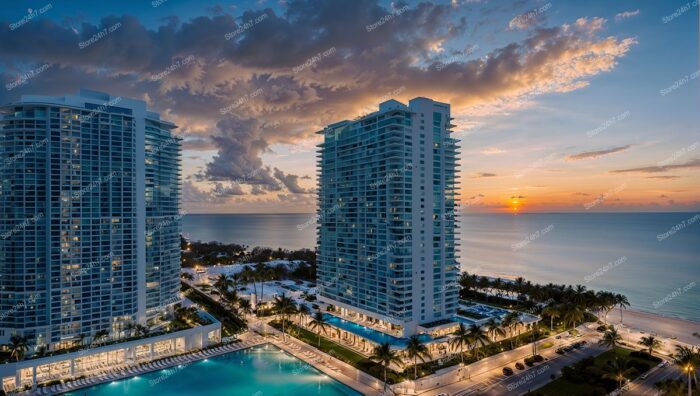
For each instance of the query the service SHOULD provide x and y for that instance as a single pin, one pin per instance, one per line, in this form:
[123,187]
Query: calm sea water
[621,252]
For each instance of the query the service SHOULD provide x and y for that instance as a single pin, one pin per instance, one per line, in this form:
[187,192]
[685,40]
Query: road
[493,382]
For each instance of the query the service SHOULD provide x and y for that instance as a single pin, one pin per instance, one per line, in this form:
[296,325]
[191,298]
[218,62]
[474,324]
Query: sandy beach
[656,324]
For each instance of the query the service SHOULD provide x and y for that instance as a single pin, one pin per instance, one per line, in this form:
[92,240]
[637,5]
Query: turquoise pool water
[263,370]
[369,333]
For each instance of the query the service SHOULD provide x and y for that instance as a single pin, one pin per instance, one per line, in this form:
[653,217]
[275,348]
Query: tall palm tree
[303,311]
[572,314]
[618,370]
[553,312]
[478,338]
[511,321]
[493,326]
[688,360]
[221,284]
[386,356]
[319,322]
[248,276]
[610,339]
[100,335]
[650,342]
[18,346]
[416,349]
[622,302]
[245,306]
[459,339]
[284,307]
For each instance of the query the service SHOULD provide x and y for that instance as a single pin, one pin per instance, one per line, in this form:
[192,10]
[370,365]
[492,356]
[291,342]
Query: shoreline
[657,324]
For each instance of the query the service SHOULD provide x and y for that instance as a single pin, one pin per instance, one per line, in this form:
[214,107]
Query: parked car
[519,366]
[560,351]
[507,371]
[644,376]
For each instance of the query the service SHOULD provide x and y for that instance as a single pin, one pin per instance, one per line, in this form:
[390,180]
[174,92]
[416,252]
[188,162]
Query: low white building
[27,374]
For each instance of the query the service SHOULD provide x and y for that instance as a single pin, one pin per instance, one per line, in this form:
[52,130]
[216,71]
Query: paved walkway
[323,362]
[123,372]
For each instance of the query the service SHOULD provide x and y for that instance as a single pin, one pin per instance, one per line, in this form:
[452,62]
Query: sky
[560,106]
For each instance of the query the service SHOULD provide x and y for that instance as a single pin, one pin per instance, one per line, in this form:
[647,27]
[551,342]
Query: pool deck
[247,341]
[325,363]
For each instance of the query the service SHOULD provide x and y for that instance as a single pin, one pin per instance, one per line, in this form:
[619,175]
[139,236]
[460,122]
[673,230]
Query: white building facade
[386,222]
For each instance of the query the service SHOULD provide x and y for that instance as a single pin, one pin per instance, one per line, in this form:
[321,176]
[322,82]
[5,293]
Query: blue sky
[561,106]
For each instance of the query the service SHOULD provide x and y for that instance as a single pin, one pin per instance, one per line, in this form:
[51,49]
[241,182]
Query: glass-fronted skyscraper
[386,225]
[89,216]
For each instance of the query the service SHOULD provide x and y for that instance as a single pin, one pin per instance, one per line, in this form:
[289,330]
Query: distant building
[89,216]
[386,225]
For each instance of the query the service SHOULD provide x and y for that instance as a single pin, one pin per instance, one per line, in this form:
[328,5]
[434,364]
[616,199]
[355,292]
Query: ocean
[652,258]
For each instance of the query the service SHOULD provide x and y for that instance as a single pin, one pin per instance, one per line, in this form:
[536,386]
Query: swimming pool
[369,333]
[261,370]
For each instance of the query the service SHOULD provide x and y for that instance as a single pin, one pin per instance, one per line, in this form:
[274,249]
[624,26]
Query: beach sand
[656,324]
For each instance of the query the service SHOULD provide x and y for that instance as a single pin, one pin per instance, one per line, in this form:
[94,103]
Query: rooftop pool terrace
[260,370]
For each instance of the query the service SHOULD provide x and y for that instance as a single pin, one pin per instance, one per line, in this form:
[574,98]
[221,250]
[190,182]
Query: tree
[386,356]
[99,336]
[222,284]
[494,328]
[284,307]
[187,276]
[460,338]
[622,302]
[572,314]
[610,339]
[416,349]
[303,311]
[651,343]
[245,306]
[18,346]
[478,338]
[319,322]
[688,359]
[618,370]
[553,313]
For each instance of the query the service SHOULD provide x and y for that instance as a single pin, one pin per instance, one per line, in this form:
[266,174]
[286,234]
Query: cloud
[625,15]
[482,175]
[291,105]
[597,153]
[693,164]
[290,181]
[581,194]
[517,197]
[492,151]
[670,177]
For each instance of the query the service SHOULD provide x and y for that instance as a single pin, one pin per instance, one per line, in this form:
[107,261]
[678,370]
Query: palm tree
[284,306]
[248,276]
[622,302]
[478,338]
[18,346]
[187,276]
[416,349]
[494,328]
[511,321]
[245,306]
[572,314]
[553,313]
[130,327]
[319,322]
[688,360]
[460,339]
[386,356]
[221,284]
[618,370]
[100,335]
[650,342]
[610,339]
[303,311]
